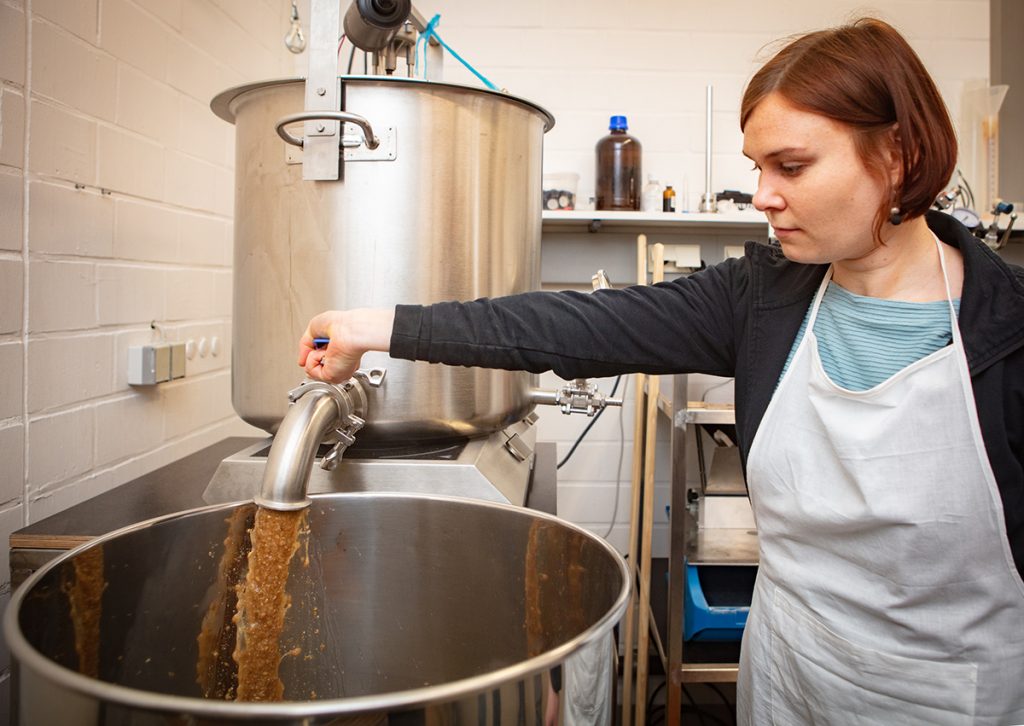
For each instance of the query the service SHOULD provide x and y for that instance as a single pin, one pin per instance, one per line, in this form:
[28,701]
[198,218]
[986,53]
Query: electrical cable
[709,389]
[430,32]
[693,704]
[652,709]
[618,467]
[351,57]
[341,42]
[654,695]
[587,429]
[657,715]
[714,719]
[728,706]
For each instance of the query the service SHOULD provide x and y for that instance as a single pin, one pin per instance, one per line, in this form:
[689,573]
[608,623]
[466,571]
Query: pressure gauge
[968,217]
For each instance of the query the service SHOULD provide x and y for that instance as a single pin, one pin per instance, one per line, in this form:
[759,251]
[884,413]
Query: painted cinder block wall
[116,189]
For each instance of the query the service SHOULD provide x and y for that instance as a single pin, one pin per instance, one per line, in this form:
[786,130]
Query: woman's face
[817,193]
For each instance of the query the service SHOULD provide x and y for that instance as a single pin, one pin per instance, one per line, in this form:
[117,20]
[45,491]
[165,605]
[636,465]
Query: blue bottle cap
[618,123]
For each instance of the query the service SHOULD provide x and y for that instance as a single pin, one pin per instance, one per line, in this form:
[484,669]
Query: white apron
[886,593]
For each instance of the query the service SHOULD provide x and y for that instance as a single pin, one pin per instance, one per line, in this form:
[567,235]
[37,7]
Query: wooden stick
[650,448]
[634,511]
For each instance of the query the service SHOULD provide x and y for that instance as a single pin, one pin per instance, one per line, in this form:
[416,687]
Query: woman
[879,363]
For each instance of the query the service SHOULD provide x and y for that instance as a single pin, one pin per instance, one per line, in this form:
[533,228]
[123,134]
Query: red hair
[866,76]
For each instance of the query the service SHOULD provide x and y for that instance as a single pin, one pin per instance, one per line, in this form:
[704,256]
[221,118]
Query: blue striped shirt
[863,341]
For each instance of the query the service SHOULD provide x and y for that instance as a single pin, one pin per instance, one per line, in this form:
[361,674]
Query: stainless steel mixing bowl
[411,610]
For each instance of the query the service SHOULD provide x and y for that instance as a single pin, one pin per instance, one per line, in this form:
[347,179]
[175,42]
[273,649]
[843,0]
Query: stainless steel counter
[174,488]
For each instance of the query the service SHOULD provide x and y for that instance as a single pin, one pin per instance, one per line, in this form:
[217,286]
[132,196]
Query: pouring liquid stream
[263,602]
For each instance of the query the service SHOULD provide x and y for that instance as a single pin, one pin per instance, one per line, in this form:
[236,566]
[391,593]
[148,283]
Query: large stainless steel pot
[447,207]
[412,610]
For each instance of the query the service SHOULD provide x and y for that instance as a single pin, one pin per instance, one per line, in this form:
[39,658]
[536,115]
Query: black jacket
[737,319]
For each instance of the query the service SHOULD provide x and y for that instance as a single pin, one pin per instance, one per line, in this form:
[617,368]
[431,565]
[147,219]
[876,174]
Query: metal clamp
[346,434]
[307,386]
[351,423]
[350,399]
[371,140]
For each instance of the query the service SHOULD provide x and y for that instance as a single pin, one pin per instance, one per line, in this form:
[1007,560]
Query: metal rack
[688,542]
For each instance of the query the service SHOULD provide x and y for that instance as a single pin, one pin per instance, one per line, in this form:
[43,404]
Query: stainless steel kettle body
[408,609]
[448,207]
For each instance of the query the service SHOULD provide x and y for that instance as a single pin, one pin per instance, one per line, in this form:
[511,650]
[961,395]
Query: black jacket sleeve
[684,326]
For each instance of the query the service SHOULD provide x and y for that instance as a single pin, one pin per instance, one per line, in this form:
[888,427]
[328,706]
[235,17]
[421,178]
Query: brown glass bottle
[619,172]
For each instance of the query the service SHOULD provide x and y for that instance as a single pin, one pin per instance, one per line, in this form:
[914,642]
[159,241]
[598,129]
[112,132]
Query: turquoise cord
[430,32]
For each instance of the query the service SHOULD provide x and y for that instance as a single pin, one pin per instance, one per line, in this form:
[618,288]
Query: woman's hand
[351,333]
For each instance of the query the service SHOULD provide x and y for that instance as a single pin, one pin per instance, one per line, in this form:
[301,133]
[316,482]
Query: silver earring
[895,217]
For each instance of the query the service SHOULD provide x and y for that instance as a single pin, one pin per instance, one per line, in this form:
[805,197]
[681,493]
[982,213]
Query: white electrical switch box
[177,360]
[679,258]
[150,364]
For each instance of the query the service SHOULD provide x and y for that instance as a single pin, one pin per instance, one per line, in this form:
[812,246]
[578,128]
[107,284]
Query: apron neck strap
[954,325]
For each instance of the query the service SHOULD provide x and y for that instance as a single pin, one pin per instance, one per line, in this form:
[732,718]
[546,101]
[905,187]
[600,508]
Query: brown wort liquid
[85,597]
[262,603]
[216,671]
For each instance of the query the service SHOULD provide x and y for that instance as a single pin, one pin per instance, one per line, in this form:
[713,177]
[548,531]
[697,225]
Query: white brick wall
[116,191]
[12,357]
[54,204]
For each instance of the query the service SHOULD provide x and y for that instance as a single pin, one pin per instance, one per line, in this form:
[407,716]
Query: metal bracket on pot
[354,149]
[320,137]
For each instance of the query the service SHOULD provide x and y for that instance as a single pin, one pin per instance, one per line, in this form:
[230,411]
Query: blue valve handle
[320,343]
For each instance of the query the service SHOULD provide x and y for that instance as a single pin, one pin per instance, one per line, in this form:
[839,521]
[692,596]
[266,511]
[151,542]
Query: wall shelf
[594,220]
[574,244]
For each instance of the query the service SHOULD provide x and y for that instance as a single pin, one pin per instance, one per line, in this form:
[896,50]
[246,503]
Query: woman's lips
[781,232]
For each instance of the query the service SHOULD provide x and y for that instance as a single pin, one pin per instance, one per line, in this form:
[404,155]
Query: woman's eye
[791,169]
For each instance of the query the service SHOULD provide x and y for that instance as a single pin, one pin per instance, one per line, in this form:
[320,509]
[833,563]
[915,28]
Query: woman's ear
[894,162]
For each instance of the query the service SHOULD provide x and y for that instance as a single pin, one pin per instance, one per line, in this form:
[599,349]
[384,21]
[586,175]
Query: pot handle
[372,142]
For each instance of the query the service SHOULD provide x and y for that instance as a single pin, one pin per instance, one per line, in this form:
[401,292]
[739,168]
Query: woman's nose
[766,197]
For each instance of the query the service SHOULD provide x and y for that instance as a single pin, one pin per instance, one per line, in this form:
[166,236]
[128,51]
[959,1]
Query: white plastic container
[650,199]
[559,190]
